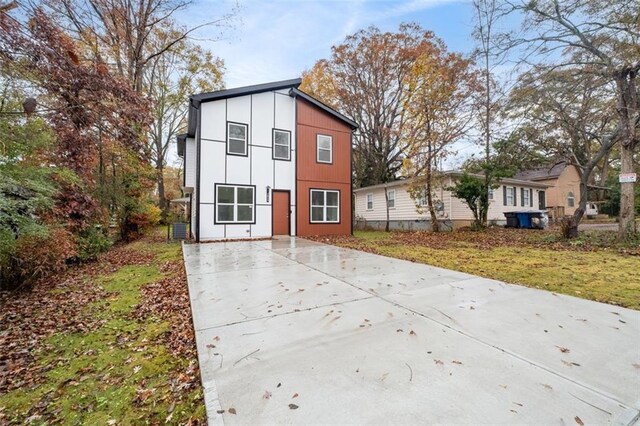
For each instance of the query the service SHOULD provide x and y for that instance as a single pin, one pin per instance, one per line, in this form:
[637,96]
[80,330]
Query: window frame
[367,201]
[325,206]
[422,200]
[511,190]
[235,204]
[318,136]
[491,193]
[571,200]
[273,144]
[246,139]
[389,198]
[526,197]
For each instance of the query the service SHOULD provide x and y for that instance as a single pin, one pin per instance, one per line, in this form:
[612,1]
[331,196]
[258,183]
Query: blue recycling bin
[524,219]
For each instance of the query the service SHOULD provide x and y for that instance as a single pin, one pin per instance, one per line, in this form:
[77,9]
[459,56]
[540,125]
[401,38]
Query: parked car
[592,210]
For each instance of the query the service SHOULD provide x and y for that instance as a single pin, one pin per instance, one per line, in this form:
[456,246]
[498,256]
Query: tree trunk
[626,226]
[435,225]
[628,114]
[162,201]
[386,204]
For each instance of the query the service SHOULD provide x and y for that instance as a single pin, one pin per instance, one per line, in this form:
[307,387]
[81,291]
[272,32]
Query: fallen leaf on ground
[579,421]
[232,410]
[293,406]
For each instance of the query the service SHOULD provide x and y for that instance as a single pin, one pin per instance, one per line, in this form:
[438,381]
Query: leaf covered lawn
[592,267]
[106,343]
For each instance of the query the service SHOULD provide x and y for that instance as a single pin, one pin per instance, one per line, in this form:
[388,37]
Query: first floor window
[510,199]
[236,139]
[391,199]
[526,197]
[325,206]
[422,198]
[235,204]
[571,201]
[324,149]
[369,201]
[281,144]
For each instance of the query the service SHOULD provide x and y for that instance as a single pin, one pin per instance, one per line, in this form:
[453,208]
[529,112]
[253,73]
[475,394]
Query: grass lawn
[592,267]
[106,343]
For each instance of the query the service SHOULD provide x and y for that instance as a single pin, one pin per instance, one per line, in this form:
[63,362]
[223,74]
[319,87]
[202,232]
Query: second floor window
[236,139]
[281,144]
[324,149]
[571,201]
[490,193]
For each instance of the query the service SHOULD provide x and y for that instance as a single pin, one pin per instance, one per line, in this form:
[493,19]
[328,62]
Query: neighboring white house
[408,213]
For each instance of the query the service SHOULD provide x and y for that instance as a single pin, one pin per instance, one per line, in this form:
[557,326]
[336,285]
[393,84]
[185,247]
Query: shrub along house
[266,160]
[406,212]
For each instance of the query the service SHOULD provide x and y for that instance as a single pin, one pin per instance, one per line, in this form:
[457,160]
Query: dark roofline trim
[246,90]
[296,92]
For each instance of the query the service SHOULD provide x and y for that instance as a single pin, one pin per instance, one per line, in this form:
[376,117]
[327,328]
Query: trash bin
[524,219]
[539,219]
[512,219]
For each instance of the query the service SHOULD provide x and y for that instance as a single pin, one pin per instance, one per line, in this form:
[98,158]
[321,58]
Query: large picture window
[235,204]
[325,206]
[324,149]
[236,139]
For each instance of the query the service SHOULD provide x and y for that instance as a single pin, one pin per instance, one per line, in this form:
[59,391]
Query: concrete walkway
[296,332]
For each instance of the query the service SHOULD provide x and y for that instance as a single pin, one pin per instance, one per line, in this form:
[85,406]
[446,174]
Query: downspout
[198,161]
[292,93]
[351,180]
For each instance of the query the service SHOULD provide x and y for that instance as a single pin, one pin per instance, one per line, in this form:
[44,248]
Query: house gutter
[196,106]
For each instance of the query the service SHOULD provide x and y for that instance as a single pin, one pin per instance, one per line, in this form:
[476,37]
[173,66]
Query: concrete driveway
[296,332]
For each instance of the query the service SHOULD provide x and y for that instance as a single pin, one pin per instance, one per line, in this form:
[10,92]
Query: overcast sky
[277,40]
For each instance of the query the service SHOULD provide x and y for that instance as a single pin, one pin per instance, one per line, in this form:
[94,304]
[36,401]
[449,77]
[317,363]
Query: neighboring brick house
[406,212]
[563,179]
[266,160]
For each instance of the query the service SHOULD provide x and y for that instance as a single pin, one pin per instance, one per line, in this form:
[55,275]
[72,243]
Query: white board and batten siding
[261,112]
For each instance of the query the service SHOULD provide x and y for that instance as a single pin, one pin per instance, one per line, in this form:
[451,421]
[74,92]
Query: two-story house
[266,160]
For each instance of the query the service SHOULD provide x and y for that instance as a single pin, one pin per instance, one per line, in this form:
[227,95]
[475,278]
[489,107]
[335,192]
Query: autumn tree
[570,114]
[98,120]
[596,37]
[170,79]
[121,32]
[439,112]
[367,79]
[489,55]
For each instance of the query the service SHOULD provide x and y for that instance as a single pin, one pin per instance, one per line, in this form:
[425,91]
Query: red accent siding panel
[312,121]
